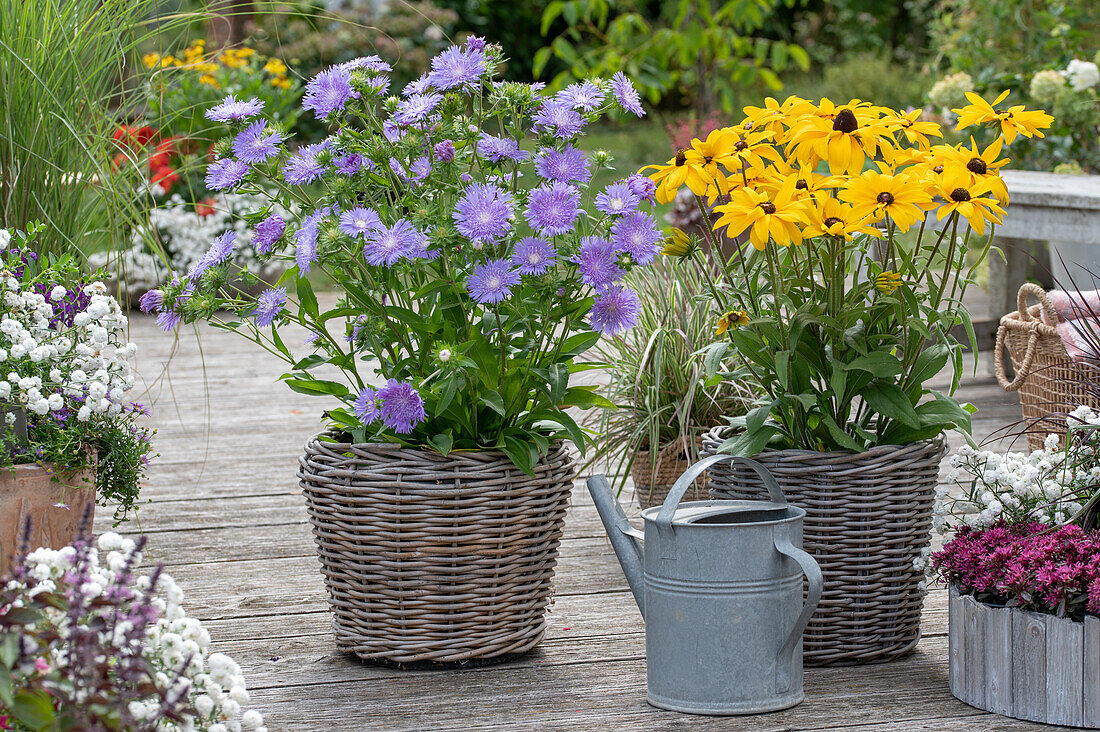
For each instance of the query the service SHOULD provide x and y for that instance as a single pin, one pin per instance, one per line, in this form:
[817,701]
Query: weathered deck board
[223,511]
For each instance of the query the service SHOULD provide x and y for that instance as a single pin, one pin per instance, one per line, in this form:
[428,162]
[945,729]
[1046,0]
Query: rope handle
[1045,305]
[1037,328]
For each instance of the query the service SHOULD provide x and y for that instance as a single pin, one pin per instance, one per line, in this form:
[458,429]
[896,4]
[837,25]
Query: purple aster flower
[444,151]
[391,131]
[370,63]
[387,245]
[644,188]
[305,249]
[637,234]
[557,115]
[419,85]
[626,94]
[398,169]
[553,209]
[533,256]
[232,109]
[348,164]
[268,305]
[329,91]
[492,281]
[366,406]
[475,43]
[303,167]
[598,262]
[375,84]
[457,67]
[420,168]
[496,149]
[168,320]
[568,166]
[614,310]
[358,221]
[584,95]
[267,232]
[402,408]
[416,108]
[219,251]
[225,173]
[482,212]
[256,143]
[150,301]
[617,199]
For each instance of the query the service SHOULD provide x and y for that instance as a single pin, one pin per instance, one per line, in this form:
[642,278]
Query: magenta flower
[626,94]
[388,245]
[559,118]
[457,67]
[267,232]
[598,262]
[584,95]
[617,199]
[151,301]
[329,91]
[303,167]
[366,406]
[637,234]
[496,149]
[416,108]
[357,222]
[221,250]
[256,143]
[444,151]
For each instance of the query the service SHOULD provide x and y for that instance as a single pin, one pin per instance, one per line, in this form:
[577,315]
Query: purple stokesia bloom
[168,320]
[584,95]
[371,63]
[626,94]
[419,85]
[387,245]
[398,169]
[348,164]
[268,305]
[598,263]
[416,108]
[492,281]
[644,188]
[376,84]
[496,149]
[457,67]
[420,168]
[219,251]
[256,143]
[553,209]
[637,235]
[482,212]
[533,256]
[391,131]
[232,109]
[614,310]
[267,232]
[557,115]
[305,249]
[444,151]
[475,43]
[303,167]
[329,91]
[366,406]
[402,408]
[358,221]
[225,173]
[568,166]
[150,301]
[617,199]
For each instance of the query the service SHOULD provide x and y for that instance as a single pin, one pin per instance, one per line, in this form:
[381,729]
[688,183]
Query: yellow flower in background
[1015,120]
[151,60]
[901,197]
[774,116]
[280,82]
[734,318]
[275,67]
[831,217]
[687,167]
[916,130]
[777,217]
[964,194]
[887,282]
[166,61]
[209,81]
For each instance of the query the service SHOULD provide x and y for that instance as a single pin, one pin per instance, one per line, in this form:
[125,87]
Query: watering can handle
[785,660]
[679,488]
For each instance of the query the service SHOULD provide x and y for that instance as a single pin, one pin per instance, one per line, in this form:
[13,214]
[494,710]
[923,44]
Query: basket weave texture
[429,558]
[651,487]
[868,517]
[1048,381]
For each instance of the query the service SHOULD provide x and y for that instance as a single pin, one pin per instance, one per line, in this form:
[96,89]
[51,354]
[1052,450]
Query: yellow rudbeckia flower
[779,217]
[845,141]
[916,130]
[901,197]
[688,168]
[963,193]
[1014,120]
[887,282]
[830,217]
[734,318]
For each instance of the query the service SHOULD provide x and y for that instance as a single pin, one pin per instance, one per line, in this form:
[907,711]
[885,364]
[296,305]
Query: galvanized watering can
[719,584]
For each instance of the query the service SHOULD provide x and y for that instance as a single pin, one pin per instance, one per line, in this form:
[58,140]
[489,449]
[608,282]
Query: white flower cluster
[43,365]
[1082,75]
[213,681]
[186,235]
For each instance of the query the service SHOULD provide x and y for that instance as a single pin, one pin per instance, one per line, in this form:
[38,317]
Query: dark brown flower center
[740,145]
[832,221]
[886,197]
[801,185]
[977,166]
[845,121]
[768,207]
[708,159]
[960,194]
[681,158]
[937,169]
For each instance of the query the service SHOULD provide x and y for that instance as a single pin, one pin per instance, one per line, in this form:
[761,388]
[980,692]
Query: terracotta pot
[55,507]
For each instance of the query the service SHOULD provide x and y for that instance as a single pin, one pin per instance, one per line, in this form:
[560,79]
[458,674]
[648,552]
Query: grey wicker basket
[438,559]
[868,517]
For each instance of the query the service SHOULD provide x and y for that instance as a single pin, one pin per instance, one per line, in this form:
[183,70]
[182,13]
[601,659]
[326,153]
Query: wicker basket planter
[429,558]
[868,516]
[1046,378]
[55,506]
[651,488]
[1024,665]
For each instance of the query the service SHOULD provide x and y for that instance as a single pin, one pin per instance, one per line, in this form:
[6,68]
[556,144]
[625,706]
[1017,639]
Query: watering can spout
[625,539]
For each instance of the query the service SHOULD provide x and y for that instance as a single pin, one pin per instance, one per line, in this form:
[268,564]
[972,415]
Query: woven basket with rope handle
[1048,381]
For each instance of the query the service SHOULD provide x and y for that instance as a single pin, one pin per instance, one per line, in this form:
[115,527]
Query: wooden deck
[226,516]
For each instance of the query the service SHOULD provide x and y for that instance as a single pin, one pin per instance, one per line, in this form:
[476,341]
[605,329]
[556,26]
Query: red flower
[205,207]
[166,177]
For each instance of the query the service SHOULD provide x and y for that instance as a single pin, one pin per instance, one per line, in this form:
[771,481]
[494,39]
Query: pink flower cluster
[1032,566]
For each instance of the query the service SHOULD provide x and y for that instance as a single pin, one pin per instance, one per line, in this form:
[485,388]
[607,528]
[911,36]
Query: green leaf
[33,709]
[493,400]
[520,453]
[881,365]
[712,360]
[578,343]
[842,438]
[446,394]
[565,422]
[317,386]
[559,381]
[749,442]
[442,442]
[585,398]
[943,411]
[306,298]
[929,363]
[310,362]
[890,401]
